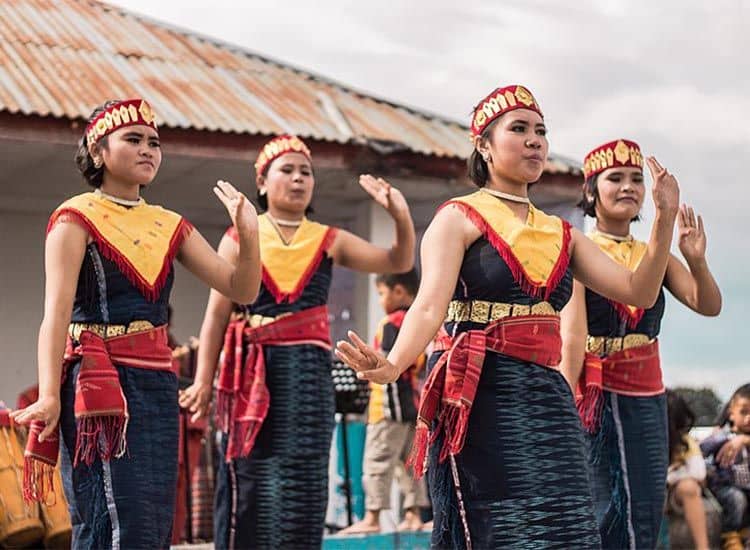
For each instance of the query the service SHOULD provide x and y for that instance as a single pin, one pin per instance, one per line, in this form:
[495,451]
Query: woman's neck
[514,189]
[285,215]
[618,228]
[507,186]
[114,188]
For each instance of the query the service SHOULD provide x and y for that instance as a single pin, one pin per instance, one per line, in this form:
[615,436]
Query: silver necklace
[285,223]
[616,238]
[118,200]
[506,196]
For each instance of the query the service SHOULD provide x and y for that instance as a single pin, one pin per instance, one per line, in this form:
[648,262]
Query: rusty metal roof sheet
[61,58]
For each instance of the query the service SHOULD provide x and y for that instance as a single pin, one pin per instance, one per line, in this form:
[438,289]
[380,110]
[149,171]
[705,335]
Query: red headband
[499,102]
[278,146]
[130,112]
[622,152]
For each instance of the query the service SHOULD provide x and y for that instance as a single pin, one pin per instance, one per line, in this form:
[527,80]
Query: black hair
[92,174]
[263,199]
[743,392]
[409,280]
[479,171]
[590,195]
[681,419]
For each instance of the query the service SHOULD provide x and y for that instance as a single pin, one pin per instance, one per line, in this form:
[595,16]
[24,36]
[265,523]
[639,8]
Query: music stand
[352,397]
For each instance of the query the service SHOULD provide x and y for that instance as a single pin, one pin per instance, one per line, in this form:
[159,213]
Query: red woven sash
[100,406]
[449,391]
[634,372]
[243,399]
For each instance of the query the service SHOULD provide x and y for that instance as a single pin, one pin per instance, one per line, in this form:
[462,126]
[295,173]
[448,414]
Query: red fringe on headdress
[150,292]
[537,290]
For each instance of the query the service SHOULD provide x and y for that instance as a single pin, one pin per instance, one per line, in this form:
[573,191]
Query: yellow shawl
[288,267]
[536,251]
[142,240]
[629,254]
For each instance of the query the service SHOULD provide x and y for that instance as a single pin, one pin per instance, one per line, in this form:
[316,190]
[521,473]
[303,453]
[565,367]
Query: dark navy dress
[629,455]
[127,502]
[277,496]
[522,469]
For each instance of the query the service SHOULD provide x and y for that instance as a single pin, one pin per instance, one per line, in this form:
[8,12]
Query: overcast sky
[672,75]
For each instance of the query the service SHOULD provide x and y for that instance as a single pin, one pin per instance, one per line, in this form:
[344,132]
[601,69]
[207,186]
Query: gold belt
[255,320]
[481,311]
[108,331]
[604,345]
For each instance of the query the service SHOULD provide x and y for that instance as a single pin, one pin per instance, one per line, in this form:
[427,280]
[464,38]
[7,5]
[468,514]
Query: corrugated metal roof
[60,58]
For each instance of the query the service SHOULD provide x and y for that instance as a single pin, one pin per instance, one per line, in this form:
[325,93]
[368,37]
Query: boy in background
[391,418]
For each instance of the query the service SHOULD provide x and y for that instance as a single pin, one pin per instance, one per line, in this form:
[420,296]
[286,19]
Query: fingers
[691,218]
[379,375]
[15,414]
[370,356]
[48,430]
[681,218]
[350,355]
[654,167]
[25,416]
[198,415]
[701,231]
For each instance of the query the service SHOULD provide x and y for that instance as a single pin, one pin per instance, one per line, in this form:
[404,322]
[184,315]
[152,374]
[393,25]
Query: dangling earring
[98,163]
[262,192]
[486,157]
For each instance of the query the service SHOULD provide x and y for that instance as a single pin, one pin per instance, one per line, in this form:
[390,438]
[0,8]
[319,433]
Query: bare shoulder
[451,221]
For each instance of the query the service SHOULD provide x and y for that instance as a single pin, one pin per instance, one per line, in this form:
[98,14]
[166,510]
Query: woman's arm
[197,397]
[696,288]
[443,247]
[353,252]
[64,250]
[241,281]
[573,329]
[641,287]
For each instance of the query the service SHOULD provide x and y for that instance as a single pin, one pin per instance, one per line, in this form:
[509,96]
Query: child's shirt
[738,474]
[397,400]
[689,464]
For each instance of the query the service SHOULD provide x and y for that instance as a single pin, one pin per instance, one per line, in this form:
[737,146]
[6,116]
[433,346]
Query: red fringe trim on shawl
[590,407]
[417,459]
[632,319]
[37,480]
[294,295]
[150,292]
[528,286]
[100,436]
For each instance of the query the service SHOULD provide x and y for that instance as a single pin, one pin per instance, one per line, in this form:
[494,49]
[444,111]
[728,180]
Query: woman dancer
[506,454]
[275,399]
[621,397]
[109,273]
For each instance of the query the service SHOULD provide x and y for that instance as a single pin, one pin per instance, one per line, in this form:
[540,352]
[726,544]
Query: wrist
[46,396]
[696,263]
[401,216]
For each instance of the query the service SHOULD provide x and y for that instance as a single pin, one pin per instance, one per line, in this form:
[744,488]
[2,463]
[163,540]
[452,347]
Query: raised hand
[45,409]
[369,364]
[385,195]
[666,191]
[241,211]
[692,235]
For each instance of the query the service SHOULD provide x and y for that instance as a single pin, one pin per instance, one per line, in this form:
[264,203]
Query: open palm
[692,236]
[241,211]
